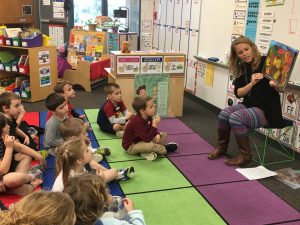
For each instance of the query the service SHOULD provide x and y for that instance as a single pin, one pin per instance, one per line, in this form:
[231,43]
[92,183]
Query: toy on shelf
[125,47]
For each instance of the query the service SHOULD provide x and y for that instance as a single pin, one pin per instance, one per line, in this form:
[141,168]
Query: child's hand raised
[9,141]
[128,204]
[22,111]
[128,115]
[156,121]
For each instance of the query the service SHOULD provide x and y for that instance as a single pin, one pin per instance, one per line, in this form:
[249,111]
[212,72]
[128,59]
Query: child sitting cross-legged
[91,200]
[74,128]
[15,162]
[113,114]
[141,135]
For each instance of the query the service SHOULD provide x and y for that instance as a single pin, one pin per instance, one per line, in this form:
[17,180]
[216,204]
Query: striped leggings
[240,119]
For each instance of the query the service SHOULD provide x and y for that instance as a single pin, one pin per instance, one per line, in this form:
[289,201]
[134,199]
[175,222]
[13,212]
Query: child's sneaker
[149,156]
[125,174]
[171,147]
[97,157]
[44,153]
[103,151]
[120,133]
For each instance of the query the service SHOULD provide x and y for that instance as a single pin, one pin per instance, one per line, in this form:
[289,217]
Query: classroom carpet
[185,187]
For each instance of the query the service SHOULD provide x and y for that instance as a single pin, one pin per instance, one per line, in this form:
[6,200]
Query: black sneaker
[125,174]
[171,147]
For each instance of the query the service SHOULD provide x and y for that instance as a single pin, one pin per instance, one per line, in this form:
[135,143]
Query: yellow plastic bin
[47,40]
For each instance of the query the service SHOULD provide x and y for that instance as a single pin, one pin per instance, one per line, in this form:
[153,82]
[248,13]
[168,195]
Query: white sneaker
[149,156]
[97,157]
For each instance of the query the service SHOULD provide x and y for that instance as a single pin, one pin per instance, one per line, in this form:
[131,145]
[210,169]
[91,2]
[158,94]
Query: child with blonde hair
[71,158]
[74,128]
[91,200]
[41,208]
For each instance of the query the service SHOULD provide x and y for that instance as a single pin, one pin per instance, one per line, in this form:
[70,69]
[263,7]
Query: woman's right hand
[128,204]
[9,141]
[256,77]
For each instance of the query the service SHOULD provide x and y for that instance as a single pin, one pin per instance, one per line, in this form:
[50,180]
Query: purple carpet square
[174,126]
[189,144]
[248,202]
[297,222]
[202,171]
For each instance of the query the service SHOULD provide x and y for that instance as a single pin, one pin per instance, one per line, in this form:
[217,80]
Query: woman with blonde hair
[41,208]
[260,107]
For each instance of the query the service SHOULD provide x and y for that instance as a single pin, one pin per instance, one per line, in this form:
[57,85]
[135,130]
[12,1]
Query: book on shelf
[279,63]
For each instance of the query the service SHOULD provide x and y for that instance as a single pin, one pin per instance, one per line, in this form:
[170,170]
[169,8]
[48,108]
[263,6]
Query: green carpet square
[92,115]
[151,176]
[176,207]
[117,151]
[100,135]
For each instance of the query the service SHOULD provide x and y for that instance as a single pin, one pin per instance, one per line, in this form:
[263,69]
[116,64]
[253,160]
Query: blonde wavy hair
[88,191]
[235,64]
[41,208]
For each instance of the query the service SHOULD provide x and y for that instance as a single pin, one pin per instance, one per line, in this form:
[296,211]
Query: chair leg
[285,152]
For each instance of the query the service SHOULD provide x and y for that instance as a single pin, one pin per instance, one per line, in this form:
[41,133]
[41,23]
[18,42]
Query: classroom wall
[220,22]
[146,25]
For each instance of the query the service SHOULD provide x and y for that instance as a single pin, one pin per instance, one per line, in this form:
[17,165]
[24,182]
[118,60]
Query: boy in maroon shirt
[141,135]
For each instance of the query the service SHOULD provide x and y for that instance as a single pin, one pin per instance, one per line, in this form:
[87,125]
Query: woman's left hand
[273,84]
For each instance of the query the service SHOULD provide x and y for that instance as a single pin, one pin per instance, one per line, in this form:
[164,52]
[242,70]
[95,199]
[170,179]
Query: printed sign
[173,64]
[297,138]
[290,105]
[128,65]
[151,64]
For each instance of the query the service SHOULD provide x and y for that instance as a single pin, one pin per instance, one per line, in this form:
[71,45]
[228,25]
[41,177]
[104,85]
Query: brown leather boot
[222,146]
[245,155]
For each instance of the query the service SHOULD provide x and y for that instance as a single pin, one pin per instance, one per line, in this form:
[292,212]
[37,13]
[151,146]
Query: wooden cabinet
[11,12]
[41,82]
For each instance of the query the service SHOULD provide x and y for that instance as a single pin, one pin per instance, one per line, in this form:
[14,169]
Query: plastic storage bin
[2,40]
[16,42]
[37,41]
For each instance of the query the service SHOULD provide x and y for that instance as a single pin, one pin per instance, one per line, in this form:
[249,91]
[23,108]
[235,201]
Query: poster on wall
[57,34]
[151,64]
[297,137]
[274,2]
[128,64]
[173,64]
[209,75]
[252,18]
[286,136]
[230,100]
[290,105]
[44,57]
[155,86]
[230,86]
[146,26]
[58,9]
[45,79]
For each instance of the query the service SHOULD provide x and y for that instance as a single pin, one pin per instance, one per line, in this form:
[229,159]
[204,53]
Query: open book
[279,63]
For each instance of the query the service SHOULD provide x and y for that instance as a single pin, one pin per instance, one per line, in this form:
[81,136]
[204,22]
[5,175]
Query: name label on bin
[150,64]
[173,64]
[128,65]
